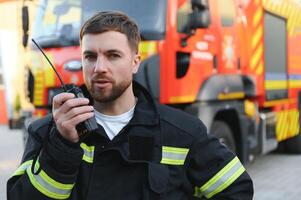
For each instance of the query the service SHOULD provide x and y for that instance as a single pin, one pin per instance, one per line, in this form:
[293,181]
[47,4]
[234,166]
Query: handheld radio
[86,126]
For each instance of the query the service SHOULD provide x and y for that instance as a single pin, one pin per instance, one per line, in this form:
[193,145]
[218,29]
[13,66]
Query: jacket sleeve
[48,169]
[215,172]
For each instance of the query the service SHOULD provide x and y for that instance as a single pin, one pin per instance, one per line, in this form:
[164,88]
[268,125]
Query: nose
[100,65]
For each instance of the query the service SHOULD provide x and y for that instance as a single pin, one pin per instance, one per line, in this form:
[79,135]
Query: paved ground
[11,148]
[275,176]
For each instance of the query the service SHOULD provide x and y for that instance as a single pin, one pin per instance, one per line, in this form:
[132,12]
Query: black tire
[221,130]
[293,145]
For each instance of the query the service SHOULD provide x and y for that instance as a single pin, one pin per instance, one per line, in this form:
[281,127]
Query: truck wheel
[293,145]
[222,131]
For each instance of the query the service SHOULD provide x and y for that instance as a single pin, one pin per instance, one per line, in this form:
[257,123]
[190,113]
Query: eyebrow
[89,52]
[114,51]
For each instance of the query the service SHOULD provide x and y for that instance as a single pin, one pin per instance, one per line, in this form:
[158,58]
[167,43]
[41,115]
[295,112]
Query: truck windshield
[58,21]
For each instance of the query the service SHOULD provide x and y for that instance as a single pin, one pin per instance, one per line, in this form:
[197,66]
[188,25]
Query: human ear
[136,63]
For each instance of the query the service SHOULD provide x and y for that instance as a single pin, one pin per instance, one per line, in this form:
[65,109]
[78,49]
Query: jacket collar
[146,111]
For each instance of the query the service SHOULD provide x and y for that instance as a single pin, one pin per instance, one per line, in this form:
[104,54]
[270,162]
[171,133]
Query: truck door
[193,49]
[275,57]
[228,58]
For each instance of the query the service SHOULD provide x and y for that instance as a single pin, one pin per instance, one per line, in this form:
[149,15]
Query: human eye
[90,57]
[113,56]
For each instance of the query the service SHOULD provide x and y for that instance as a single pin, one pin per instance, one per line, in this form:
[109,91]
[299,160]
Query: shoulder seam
[178,127]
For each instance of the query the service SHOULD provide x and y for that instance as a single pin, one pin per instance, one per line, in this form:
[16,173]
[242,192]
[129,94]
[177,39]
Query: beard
[105,95]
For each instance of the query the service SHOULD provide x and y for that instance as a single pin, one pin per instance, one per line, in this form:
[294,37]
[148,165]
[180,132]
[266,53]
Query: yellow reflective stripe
[231,95]
[173,155]
[47,186]
[275,84]
[172,161]
[42,189]
[219,174]
[287,124]
[175,150]
[229,182]
[294,83]
[22,168]
[53,182]
[223,178]
[88,152]
[182,99]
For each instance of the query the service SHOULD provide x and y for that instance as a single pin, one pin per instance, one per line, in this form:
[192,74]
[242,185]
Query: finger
[59,99]
[69,124]
[78,110]
[71,103]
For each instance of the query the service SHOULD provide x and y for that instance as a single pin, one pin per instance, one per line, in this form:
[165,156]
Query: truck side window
[183,17]
[226,10]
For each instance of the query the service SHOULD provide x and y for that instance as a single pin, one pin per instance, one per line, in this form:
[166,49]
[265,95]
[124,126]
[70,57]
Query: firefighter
[141,150]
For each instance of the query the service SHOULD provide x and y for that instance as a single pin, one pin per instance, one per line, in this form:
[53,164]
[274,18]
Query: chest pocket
[158,178]
[163,179]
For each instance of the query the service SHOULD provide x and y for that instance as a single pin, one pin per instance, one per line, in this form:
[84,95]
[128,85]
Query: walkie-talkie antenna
[62,82]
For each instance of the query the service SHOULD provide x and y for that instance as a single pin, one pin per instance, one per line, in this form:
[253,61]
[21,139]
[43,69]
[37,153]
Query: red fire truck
[235,64]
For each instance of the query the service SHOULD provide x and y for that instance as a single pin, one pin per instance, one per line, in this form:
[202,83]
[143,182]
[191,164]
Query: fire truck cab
[234,64]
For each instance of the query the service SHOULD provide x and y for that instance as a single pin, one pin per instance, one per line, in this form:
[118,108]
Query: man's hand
[69,111]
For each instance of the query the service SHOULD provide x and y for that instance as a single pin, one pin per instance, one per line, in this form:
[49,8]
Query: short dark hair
[112,21]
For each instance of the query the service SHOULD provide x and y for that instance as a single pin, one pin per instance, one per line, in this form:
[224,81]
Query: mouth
[101,84]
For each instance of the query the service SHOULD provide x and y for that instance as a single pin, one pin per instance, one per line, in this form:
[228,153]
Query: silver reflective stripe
[223,178]
[49,187]
[173,155]
[21,169]
[88,152]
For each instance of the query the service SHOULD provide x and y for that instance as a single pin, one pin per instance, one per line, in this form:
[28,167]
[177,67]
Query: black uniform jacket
[162,153]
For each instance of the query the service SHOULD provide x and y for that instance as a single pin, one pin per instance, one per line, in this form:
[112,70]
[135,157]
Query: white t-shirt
[114,124]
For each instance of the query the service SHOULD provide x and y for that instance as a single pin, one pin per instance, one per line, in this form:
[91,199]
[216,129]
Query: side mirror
[25,39]
[199,4]
[199,19]
[25,24]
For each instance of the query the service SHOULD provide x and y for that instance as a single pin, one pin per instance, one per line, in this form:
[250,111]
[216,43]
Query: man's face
[108,64]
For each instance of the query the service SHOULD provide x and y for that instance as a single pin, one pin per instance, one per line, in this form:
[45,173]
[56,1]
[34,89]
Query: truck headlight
[73,65]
